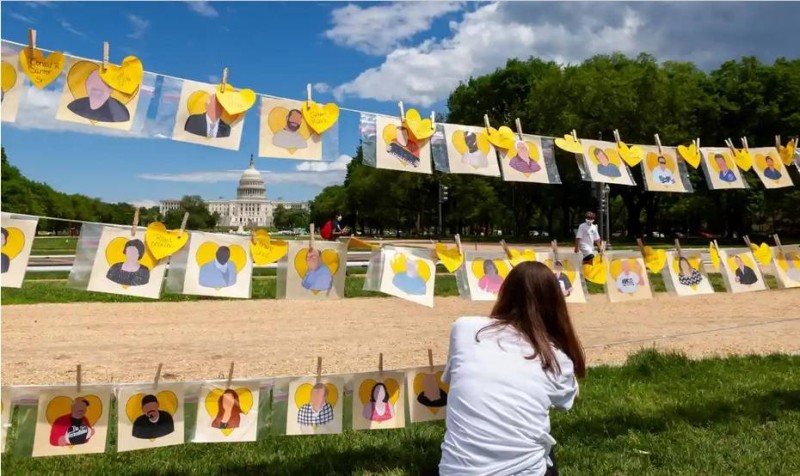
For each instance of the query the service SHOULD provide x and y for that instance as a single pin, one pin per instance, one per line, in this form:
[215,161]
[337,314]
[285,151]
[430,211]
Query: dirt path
[41,344]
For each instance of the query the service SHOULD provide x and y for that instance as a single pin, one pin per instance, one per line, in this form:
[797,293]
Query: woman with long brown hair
[229,414]
[505,372]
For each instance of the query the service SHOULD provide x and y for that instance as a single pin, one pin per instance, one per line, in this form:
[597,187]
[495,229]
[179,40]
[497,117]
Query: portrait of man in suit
[98,104]
[209,123]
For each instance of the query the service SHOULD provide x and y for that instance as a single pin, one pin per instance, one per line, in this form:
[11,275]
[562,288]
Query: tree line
[638,96]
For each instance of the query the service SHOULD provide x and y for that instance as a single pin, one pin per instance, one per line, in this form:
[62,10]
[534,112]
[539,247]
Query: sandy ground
[42,343]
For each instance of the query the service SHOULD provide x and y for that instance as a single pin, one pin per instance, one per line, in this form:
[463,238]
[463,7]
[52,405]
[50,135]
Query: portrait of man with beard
[153,423]
[289,137]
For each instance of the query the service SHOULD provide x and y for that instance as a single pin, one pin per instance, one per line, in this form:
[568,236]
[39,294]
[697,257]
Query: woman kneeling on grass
[505,372]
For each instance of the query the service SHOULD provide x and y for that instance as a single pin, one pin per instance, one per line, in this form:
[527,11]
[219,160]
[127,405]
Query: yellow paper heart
[419,387]
[266,251]
[303,394]
[690,154]
[167,401]
[714,255]
[242,398]
[39,69]
[235,101]
[161,242]
[125,78]
[450,257]
[631,155]
[392,388]
[743,159]
[503,138]
[62,405]
[516,256]
[787,153]
[762,253]
[569,144]
[595,271]
[654,259]
[15,242]
[115,251]
[320,118]
[420,128]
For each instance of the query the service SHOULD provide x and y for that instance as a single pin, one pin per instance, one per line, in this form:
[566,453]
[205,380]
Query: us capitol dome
[250,206]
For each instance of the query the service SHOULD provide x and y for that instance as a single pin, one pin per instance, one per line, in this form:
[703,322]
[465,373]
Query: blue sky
[361,55]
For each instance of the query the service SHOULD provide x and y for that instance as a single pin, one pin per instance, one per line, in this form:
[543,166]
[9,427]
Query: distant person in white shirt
[289,137]
[505,373]
[587,238]
[628,282]
[661,174]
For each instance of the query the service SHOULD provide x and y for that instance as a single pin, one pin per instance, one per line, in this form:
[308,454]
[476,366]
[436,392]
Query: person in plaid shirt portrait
[318,411]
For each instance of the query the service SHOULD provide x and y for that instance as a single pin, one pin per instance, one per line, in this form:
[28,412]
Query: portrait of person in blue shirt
[725,173]
[319,276]
[409,281]
[604,165]
[770,171]
[220,272]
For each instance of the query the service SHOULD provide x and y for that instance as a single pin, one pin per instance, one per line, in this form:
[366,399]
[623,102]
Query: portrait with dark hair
[130,272]
[219,272]
[6,261]
[289,136]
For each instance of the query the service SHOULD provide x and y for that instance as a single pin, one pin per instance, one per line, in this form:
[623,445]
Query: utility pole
[442,199]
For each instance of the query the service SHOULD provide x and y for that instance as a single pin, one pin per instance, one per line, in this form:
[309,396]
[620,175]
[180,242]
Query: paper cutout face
[315,407]
[378,402]
[398,150]
[285,133]
[123,265]
[218,265]
[525,161]
[627,279]
[741,270]
[87,99]
[71,423]
[567,271]
[227,414]
[17,240]
[687,275]
[661,171]
[202,120]
[721,168]
[316,274]
[485,275]
[151,418]
[604,164]
[317,268]
[11,85]
[408,276]
[470,152]
[769,168]
[787,265]
[427,399]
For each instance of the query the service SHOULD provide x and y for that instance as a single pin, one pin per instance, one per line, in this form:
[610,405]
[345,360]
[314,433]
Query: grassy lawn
[54,245]
[659,414]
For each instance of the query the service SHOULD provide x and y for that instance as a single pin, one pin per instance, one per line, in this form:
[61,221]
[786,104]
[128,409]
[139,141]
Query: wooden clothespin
[319,367]
[402,111]
[158,376]
[78,378]
[430,359]
[31,42]
[183,223]
[506,249]
[433,120]
[729,143]
[747,241]
[458,244]
[230,376]
[716,246]
[224,83]
[575,135]
[744,144]
[311,236]
[380,362]
[778,141]
[554,245]
[486,123]
[519,129]
[658,144]
[105,55]
[616,136]
[308,95]
[697,143]
[678,248]
[640,243]
[778,244]
[602,250]
[135,221]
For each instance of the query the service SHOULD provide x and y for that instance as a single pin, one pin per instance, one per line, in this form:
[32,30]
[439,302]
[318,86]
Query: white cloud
[37,4]
[139,24]
[337,165]
[203,8]
[378,29]
[213,79]
[145,203]
[322,87]
[21,18]
[68,26]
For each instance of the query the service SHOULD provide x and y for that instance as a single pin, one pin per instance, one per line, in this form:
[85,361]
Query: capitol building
[250,206]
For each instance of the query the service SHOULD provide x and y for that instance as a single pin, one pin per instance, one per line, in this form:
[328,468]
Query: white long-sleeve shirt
[498,420]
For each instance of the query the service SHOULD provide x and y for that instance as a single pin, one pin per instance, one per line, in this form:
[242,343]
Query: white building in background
[250,206]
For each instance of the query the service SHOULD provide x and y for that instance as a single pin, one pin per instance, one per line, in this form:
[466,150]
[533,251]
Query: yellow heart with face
[654,259]
[567,267]
[690,154]
[117,250]
[503,138]
[62,405]
[125,78]
[207,252]
[694,262]
[761,161]
[479,267]
[615,268]
[652,161]
[783,261]
[610,153]
[198,101]
[745,257]
[631,155]
[266,251]
[303,394]
[595,271]
[569,144]
[420,128]
[432,384]
[743,159]
[327,258]
[277,120]
[714,255]
[450,257]
[8,76]
[320,118]
[516,256]
[235,102]
[167,401]
[238,401]
[366,388]
[398,265]
[460,141]
[726,157]
[15,241]
[39,69]
[787,153]
[762,253]
[78,75]
[162,242]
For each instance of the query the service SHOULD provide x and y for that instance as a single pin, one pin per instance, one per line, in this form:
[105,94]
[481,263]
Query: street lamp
[442,198]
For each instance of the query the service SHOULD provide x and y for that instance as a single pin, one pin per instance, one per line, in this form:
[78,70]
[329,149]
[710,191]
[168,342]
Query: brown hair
[236,411]
[531,301]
